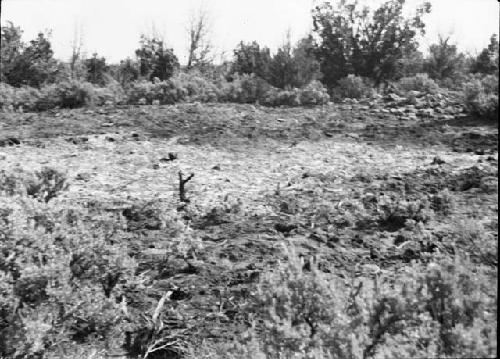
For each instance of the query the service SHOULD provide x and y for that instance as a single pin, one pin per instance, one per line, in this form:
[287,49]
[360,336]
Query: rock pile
[413,105]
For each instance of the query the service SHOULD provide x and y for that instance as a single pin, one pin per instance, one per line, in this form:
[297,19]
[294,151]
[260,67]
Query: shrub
[393,214]
[60,277]
[443,202]
[166,92]
[313,94]
[25,98]
[441,309]
[65,94]
[246,89]
[352,87]
[302,311]
[419,82]
[197,87]
[112,93]
[481,97]
[277,97]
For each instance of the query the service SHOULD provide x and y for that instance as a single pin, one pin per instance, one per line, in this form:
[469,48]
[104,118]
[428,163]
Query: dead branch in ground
[182,184]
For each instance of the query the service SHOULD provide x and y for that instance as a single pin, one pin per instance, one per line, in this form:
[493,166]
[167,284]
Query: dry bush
[314,93]
[62,275]
[65,94]
[198,87]
[163,92]
[246,89]
[446,308]
[481,97]
[419,82]
[353,87]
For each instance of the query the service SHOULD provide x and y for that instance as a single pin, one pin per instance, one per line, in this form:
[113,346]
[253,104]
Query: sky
[112,28]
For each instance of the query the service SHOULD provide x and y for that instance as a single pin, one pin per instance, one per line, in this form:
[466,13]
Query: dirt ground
[261,176]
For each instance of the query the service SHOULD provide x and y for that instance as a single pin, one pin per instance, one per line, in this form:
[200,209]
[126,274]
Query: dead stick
[182,190]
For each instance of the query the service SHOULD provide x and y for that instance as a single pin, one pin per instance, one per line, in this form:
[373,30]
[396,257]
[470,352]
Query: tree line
[379,45]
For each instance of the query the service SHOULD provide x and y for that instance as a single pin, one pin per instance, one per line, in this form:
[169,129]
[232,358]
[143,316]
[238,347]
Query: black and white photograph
[232,179]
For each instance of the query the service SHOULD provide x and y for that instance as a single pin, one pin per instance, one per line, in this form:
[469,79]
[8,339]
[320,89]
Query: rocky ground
[365,186]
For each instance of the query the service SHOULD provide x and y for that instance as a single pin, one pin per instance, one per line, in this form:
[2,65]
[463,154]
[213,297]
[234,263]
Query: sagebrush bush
[246,89]
[315,93]
[420,82]
[110,94]
[64,94]
[61,276]
[20,98]
[352,87]
[303,312]
[481,97]
[73,94]
[277,97]
[165,92]
[198,87]
[191,87]
[446,308]
[43,185]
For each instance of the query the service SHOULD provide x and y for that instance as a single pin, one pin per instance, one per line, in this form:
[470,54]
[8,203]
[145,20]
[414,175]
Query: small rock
[216,168]
[9,141]
[83,177]
[479,152]
[171,157]
[438,161]
[284,228]
[108,124]
[110,139]
[372,269]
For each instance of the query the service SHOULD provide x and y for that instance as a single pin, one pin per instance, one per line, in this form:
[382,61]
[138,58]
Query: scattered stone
[284,228]
[352,135]
[216,168]
[479,152]
[83,177]
[9,141]
[438,161]
[171,157]
[371,269]
[108,124]
[77,140]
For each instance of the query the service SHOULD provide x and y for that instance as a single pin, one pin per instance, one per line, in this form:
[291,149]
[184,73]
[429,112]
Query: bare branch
[182,183]
[200,47]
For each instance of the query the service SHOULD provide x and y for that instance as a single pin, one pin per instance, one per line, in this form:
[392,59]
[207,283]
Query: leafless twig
[182,184]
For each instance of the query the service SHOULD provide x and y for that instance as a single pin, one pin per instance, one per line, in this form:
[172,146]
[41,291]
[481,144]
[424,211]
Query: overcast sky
[112,27]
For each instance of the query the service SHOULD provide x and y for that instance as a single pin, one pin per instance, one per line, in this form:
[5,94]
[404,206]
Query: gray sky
[112,27]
